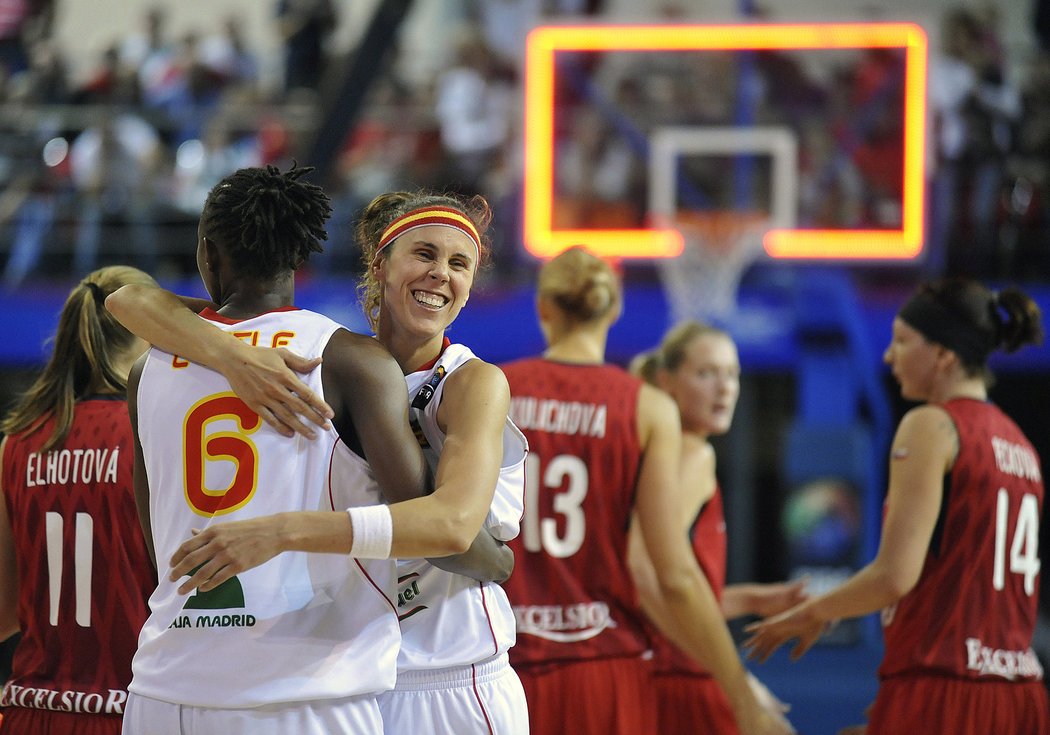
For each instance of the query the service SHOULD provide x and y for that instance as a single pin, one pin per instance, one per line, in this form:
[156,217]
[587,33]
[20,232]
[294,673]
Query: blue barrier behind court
[500,324]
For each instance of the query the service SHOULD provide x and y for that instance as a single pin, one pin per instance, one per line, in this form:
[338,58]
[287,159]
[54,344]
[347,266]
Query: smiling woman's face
[426,276]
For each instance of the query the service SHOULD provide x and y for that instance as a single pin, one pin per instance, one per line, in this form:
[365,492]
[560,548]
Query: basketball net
[703,281]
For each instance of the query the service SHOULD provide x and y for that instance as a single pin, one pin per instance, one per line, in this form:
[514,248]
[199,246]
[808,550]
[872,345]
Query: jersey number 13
[568,478]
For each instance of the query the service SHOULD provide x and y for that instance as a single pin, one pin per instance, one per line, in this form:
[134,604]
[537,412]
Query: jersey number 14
[1024,547]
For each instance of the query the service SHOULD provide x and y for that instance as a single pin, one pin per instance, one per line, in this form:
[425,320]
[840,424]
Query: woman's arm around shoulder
[472,414]
[140,480]
[366,386]
[441,523]
[265,379]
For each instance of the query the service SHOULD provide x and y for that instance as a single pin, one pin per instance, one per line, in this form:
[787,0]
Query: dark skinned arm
[487,560]
[366,389]
[265,379]
[141,481]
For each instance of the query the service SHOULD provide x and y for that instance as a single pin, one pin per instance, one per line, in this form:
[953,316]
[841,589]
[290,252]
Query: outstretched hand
[223,550]
[266,380]
[772,599]
[770,634]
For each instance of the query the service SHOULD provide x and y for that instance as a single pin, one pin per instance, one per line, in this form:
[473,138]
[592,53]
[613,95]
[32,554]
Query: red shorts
[692,704]
[19,720]
[601,697]
[953,706]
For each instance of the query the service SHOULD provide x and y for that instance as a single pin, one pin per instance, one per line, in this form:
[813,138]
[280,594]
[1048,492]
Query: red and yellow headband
[426,216]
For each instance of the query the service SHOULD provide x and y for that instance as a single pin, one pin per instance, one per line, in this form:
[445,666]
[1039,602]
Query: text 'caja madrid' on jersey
[299,627]
[973,611]
[84,574]
[573,597]
[447,619]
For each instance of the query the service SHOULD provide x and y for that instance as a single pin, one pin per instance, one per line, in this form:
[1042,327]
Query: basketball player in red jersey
[698,366]
[74,571]
[957,570]
[603,445]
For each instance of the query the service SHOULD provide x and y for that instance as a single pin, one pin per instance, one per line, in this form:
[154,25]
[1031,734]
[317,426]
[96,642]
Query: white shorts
[350,716]
[481,699]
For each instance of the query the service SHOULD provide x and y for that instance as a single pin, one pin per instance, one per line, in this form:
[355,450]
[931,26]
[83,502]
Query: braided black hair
[267,220]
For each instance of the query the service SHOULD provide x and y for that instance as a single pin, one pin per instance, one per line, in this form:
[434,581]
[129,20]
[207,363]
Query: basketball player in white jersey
[305,642]
[456,631]
[453,675]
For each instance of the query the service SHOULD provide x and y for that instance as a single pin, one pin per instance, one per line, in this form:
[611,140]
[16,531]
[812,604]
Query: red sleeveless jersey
[972,613]
[573,597]
[83,569]
[708,537]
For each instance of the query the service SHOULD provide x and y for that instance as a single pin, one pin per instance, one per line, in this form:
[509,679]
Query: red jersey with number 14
[572,595]
[83,570]
[973,611]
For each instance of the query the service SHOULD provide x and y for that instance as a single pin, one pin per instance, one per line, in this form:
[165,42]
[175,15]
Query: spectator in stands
[31,199]
[21,23]
[114,165]
[1025,243]
[189,91]
[304,27]
[474,108]
[109,83]
[974,105]
[46,81]
[148,54]
[227,56]
[600,180]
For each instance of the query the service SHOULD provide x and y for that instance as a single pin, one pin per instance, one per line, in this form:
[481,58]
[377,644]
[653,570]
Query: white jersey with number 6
[299,627]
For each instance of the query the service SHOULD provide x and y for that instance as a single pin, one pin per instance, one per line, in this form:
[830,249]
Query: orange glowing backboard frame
[544,42]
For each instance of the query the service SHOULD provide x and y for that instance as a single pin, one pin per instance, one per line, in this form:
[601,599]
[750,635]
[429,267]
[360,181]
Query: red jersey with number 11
[572,595]
[83,570]
[972,613]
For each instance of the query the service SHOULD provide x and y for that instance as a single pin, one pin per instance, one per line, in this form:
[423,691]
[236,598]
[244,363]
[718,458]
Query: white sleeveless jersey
[448,619]
[299,627]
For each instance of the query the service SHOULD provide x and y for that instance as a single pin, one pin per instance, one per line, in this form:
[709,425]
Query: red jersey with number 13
[972,613]
[83,570]
[572,595]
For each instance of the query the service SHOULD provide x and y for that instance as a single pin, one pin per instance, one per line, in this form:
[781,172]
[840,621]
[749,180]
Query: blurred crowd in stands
[113,165]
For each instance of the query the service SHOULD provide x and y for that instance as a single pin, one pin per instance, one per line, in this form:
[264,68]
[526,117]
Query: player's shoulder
[478,377]
[924,419]
[355,346]
[656,399]
[357,357]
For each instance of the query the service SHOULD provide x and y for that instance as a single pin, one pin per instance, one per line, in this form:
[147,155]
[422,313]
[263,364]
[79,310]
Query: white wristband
[373,528]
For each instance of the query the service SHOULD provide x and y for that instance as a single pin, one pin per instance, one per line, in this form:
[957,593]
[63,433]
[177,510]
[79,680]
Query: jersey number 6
[233,448]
